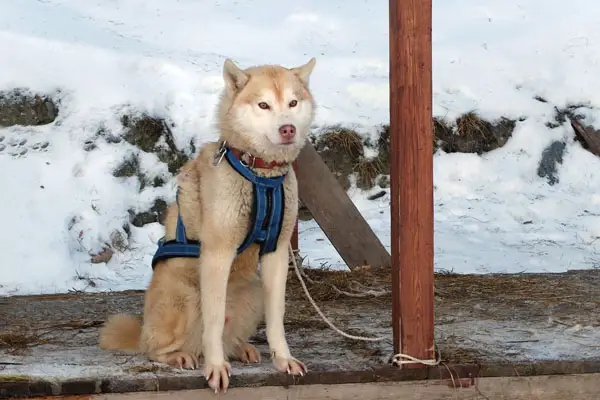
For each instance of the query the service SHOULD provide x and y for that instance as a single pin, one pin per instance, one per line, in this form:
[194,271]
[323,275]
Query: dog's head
[267,110]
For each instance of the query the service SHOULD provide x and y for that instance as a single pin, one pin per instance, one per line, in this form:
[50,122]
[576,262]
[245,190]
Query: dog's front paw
[289,365]
[218,375]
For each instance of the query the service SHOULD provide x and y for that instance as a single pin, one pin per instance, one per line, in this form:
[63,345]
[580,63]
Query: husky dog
[206,297]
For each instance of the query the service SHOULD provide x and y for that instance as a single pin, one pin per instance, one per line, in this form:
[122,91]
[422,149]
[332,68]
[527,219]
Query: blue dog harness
[267,216]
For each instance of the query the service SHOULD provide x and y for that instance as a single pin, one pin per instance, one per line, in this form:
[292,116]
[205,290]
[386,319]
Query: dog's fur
[210,306]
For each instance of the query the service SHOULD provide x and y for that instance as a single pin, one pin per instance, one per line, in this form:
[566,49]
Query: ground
[500,324]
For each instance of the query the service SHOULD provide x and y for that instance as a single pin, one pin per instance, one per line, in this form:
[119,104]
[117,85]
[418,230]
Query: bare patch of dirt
[23,107]
[156,213]
[153,135]
[562,114]
[472,134]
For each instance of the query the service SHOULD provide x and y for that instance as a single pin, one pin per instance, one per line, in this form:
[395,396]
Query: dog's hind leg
[168,321]
[245,310]
[246,353]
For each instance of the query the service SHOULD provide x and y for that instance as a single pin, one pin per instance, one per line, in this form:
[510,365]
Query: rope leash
[397,359]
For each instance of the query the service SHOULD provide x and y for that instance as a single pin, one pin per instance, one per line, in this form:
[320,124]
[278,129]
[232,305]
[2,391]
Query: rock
[158,181]
[377,195]
[128,168]
[21,107]
[155,214]
[131,167]
[472,134]
[562,114]
[153,135]
[551,157]
[103,257]
[143,132]
[89,145]
[173,158]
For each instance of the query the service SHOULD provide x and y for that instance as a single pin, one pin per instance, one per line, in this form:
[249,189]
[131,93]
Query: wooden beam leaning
[411,171]
[336,214]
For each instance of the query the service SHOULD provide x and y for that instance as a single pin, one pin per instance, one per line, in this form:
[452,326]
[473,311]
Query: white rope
[397,359]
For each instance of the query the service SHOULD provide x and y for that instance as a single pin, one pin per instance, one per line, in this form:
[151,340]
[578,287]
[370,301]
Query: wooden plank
[336,214]
[411,178]
[86,397]
[550,387]
[589,136]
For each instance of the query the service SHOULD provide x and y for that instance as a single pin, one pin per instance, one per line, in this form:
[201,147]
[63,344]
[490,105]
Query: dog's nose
[287,131]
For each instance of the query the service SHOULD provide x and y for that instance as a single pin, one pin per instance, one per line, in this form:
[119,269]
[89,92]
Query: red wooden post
[294,239]
[411,178]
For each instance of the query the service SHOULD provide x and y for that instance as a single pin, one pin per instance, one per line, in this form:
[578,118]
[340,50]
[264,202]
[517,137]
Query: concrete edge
[547,387]
[29,387]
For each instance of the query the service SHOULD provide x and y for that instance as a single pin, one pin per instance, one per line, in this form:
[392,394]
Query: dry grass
[473,134]
[326,285]
[15,341]
[373,283]
[549,291]
[368,170]
[344,139]
[471,125]
[343,148]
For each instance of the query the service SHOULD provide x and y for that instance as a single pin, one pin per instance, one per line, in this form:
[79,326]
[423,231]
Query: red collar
[255,162]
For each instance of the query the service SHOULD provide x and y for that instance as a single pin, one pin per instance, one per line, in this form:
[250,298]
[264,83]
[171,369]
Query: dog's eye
[263,105]
[293,103]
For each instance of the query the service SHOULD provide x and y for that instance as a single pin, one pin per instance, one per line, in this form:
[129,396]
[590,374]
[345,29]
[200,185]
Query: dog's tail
[121,332]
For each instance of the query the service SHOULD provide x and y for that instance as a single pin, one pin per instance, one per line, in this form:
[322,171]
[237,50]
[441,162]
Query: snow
[493,213]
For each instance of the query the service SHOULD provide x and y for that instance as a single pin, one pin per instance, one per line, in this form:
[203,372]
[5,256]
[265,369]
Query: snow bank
[493,213]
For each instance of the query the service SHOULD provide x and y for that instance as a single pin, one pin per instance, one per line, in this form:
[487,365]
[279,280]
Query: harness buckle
[219,154]
[250,157]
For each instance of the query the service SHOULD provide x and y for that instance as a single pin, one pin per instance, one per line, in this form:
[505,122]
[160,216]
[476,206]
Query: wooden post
[411,178]
[294,239]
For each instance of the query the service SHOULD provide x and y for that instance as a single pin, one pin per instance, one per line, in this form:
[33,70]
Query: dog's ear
[304,71]
[235,78]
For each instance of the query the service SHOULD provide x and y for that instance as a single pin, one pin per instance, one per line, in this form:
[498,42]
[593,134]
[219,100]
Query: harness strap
[266,221]
[180,233]
[267,209]
[247,173]
[181,246]
[267,217]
